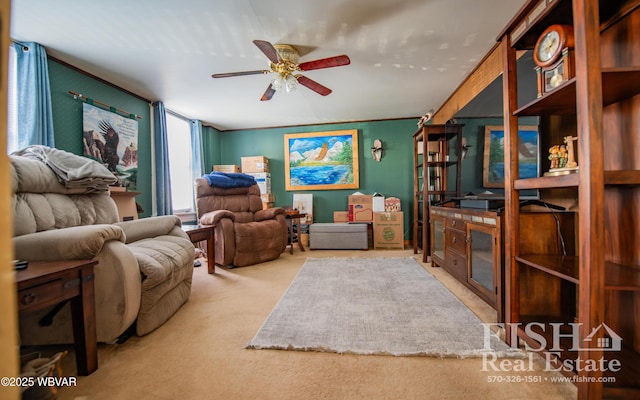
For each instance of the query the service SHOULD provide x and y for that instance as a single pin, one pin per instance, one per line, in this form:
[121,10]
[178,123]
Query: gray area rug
[373,306]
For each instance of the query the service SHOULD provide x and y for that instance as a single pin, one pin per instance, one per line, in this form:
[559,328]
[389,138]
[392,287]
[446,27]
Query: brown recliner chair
[245,234]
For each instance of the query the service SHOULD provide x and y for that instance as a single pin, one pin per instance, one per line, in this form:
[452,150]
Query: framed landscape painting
[528,154]
[321,160]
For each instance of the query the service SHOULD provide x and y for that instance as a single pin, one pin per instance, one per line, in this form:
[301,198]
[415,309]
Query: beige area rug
[373,306]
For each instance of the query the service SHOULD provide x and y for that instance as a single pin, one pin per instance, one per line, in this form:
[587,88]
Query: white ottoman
[338,236]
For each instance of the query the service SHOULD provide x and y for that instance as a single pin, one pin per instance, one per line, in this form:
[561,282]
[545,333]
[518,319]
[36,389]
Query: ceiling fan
[284,62]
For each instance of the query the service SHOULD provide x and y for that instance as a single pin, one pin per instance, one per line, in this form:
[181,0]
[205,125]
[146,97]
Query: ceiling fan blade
[268,94]
[268,50]
[241,73]
[313,85]
[325,63]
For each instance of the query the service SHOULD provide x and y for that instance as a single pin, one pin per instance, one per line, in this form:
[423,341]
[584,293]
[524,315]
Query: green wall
[211,147]
[392,176]
[67,118]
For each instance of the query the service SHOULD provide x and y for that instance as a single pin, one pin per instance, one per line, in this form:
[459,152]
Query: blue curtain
[161,156]
[34,115]
[197,156]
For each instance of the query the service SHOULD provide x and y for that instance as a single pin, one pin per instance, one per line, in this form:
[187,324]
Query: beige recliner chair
[144,268]
[245,234]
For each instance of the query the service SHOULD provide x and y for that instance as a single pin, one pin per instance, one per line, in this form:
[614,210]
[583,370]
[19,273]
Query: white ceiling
[407,56]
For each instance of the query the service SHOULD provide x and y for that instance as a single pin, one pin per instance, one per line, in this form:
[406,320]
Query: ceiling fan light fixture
[284,63]
[291,83]
[277,82]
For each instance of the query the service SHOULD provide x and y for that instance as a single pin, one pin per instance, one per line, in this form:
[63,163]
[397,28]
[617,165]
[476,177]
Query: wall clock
[553,55]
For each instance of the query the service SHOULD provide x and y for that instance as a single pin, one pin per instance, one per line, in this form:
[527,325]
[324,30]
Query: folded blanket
[73,171]
[229,180]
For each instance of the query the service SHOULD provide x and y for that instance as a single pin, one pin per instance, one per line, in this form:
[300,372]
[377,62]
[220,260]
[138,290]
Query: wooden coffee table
[198,233]
[47,283]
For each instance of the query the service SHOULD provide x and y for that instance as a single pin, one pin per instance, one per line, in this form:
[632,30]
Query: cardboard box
[304,239]
[117,189]
[360,208]
[392,204]
[255,164]
[125,202]
[266,205]
[268,197]
[263,179]
[341,216]
[226,168]
[388,230]
[433,146]
[378,203]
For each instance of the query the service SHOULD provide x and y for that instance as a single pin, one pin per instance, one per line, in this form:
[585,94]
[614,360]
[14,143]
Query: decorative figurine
[571,161]
[553,156]
[562,156]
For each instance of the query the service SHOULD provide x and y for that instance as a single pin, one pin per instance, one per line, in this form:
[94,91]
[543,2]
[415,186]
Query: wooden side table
[126,204]
[294,219]
[46,283]
[198,233]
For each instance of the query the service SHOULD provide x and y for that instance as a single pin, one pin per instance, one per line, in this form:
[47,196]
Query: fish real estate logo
[555,339]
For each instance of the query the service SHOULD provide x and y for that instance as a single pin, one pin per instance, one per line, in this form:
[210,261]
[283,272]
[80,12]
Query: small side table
[46,283]
[198,233]
[294,219]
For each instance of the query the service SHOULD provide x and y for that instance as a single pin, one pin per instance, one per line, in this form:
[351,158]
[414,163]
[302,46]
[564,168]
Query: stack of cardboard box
[388,225]
[384,213]
[388,230]
[258,167]
[360,208]
[229,168]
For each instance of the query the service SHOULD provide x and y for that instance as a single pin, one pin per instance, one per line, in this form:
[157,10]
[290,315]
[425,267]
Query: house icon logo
[608,341]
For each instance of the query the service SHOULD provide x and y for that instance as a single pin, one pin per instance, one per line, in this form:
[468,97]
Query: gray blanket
[73,171]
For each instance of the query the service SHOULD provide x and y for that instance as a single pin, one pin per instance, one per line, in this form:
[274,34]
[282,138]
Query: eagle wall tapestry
[321,160]
[112,140]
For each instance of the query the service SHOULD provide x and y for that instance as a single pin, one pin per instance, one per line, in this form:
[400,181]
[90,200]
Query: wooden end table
[291,220]
[198,233]
[47,283]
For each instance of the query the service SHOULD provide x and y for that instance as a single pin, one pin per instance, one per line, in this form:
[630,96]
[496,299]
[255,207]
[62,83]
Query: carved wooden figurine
[571,161]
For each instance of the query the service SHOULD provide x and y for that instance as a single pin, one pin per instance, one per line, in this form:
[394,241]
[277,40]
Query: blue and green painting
[321,160]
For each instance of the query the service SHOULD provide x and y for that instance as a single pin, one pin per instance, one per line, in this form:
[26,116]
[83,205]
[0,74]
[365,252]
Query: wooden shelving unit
[437,161]
[593,285]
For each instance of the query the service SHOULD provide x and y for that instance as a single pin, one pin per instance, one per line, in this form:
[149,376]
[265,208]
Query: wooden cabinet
[594,292]
[467,243]
[436,176]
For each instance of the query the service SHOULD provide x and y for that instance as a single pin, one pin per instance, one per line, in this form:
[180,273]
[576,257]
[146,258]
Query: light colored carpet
[200,352]
[373,306]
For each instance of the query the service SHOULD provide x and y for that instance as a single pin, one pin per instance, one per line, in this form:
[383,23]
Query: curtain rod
[94,101]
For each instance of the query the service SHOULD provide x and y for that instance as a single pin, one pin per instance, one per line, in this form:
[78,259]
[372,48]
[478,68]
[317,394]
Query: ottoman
[338,236]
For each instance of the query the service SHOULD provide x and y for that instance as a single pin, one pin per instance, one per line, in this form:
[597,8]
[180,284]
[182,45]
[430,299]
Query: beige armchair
[144,268]
[245,234]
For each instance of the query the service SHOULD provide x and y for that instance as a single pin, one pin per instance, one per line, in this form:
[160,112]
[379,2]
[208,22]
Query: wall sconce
[465,147]
[376,150]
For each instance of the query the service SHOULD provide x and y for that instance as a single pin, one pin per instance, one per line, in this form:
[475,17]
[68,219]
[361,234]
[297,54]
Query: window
[180,164]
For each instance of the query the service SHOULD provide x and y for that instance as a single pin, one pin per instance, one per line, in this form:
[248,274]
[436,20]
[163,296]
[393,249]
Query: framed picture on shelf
[528,154]
[321,160]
